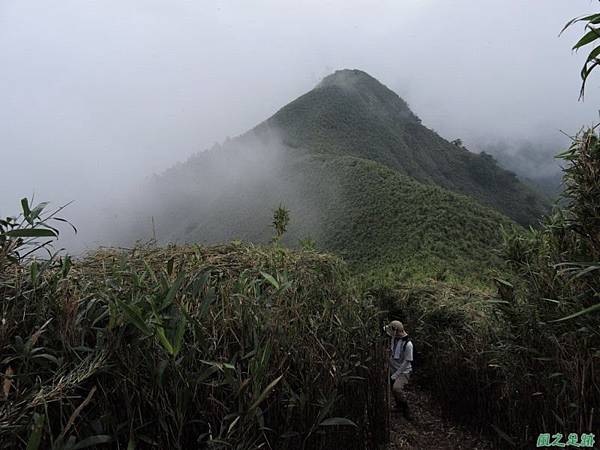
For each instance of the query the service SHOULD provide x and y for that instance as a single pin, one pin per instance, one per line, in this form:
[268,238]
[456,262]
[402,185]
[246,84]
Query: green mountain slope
[362,178]
[374,217]
[396,223]
[351,113]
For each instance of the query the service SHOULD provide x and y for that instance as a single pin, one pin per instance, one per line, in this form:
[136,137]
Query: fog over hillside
[98,96]
[533,161]
[204,198]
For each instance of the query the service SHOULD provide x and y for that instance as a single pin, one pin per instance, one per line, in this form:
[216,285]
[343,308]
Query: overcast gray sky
[96,95]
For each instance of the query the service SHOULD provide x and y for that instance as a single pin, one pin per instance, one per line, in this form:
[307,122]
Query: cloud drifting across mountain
[98,95]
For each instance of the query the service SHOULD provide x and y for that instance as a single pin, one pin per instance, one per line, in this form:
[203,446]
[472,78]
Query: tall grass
[556,292]
[233,346]
[524,358]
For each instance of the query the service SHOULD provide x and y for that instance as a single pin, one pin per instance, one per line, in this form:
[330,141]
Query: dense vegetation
[526,358]
[375,218]
[361,177]
[243,346]
[402,229]
[351,113]
[185,347]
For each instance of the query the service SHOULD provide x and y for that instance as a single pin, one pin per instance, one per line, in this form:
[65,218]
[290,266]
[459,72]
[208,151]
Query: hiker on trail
[400,364]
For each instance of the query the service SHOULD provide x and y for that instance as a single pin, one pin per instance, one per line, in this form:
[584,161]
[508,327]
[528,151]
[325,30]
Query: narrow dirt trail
[430,430]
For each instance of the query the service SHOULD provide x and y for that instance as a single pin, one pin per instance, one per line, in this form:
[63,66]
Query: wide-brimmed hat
[395,329]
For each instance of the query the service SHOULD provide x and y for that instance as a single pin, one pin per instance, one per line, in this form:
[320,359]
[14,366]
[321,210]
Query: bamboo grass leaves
[159,315]
[32,230]
[234,346]
[591,35]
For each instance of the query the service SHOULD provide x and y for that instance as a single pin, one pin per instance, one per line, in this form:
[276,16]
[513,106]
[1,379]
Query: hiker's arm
[403,367]
[408,352]
[397,372]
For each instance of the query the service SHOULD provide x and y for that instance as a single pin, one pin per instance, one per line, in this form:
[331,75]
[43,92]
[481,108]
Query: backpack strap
[406,340]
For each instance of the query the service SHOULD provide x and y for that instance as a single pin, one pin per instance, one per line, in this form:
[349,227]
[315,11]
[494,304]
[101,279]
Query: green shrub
[524,358]
[184,347]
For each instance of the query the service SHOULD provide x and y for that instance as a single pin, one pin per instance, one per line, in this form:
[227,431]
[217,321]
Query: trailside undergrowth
[523,360]
[233,346]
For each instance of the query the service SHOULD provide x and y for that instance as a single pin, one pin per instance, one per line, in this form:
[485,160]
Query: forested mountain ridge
[373,216]
[361,177]
[351,113]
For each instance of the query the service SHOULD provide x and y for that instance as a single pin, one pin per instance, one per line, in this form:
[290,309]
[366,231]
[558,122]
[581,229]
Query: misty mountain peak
[347,78]
[341,105]
[367,91]
[351,113]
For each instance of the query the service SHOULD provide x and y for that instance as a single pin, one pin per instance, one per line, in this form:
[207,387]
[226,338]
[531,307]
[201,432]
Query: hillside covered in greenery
[524,356]
[234,346]
[351,113]
[362,178]
[248,346]
[374,217]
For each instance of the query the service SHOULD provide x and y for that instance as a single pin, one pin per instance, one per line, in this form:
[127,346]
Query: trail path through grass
[430,429]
